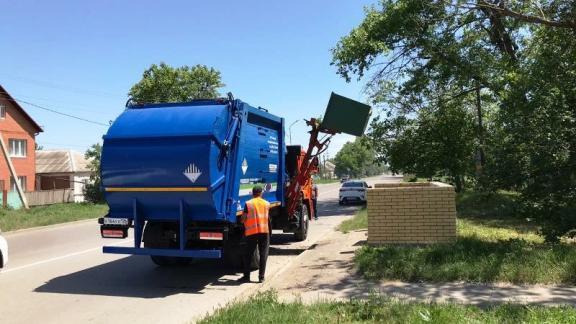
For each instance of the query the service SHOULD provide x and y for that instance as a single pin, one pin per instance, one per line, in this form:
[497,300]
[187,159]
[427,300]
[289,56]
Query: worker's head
[257,191]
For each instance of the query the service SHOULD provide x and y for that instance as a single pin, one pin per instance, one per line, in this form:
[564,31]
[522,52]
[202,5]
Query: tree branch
[505,11]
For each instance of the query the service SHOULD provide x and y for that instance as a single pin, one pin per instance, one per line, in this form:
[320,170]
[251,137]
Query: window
[21,179]
[2,111]
[17,147]
[352,184]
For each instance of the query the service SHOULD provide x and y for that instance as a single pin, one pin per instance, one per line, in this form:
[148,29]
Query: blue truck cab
[179,174]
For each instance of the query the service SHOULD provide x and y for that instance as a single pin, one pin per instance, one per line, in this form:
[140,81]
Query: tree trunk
[458,182]
[480,160]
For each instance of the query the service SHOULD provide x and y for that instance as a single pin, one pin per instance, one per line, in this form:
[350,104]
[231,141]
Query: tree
[93,189]
[357,159]
[163,83]
[509,64]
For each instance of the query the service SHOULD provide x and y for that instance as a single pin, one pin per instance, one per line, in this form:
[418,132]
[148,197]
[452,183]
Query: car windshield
[352,184]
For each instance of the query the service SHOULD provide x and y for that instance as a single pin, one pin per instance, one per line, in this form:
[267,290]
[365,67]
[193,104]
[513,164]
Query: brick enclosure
[411,213]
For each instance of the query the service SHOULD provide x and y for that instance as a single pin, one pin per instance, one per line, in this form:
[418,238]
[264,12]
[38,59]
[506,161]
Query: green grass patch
[359,221]
[494,244]
[266,308]
[11,220]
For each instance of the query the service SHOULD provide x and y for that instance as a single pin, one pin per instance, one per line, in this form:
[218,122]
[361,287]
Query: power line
[57,112]
[63,88]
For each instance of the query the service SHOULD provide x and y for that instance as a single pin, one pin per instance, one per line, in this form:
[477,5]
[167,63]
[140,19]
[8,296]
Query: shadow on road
[330,207]
[137,276]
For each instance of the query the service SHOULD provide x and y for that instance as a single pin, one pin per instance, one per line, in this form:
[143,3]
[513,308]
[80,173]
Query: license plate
[115,221]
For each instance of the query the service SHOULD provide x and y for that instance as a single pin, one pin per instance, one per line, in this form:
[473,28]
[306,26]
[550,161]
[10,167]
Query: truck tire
[234,257]
[154,239]
[302,232]
[233,254]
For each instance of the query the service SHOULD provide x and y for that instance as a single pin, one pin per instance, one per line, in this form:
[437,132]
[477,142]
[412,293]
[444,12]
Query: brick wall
[411,213]
[16,126]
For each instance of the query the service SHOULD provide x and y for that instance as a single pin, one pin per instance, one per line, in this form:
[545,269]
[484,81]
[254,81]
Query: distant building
[329,168]
[62,169]
[18,132]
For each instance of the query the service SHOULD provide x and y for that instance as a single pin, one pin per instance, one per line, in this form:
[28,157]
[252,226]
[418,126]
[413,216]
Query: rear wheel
[159,235]
[304,221]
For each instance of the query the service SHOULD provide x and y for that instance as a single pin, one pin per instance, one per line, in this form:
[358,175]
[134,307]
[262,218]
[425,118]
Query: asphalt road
[59,275]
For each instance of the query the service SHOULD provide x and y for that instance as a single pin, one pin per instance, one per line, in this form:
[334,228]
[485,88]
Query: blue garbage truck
[180,173]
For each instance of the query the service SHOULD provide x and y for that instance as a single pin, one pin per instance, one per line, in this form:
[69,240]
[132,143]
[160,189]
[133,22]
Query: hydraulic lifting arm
[316,147]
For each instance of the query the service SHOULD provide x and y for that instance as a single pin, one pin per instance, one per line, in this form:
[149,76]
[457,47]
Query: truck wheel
[163,260]
[233,254]
[302,232]
[154,238]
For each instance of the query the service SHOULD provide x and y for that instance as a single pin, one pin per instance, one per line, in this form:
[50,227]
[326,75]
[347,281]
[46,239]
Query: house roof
[5,95]
[60,161]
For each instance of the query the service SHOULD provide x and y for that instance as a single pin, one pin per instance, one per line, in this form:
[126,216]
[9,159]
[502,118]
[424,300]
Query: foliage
[357,159]
[163,83]
[494,78]
[93,189]
[265,307]
[359,221]
[11,220]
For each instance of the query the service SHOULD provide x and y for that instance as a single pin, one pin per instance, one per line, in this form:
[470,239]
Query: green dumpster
[344,115]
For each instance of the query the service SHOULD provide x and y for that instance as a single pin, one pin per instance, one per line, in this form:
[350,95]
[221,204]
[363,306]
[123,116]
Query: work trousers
[263,243]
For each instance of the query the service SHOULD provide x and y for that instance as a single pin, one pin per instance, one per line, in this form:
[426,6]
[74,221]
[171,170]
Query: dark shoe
[244,279]
[315,218]
[260,280]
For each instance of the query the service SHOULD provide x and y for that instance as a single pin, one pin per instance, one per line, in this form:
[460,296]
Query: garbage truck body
[179,174]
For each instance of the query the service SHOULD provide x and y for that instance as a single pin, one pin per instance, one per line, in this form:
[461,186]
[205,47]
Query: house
[329,168]
[18,131]
[62,169]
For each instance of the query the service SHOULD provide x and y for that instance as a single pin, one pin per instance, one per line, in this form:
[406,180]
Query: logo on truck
[244,166]
[192,172]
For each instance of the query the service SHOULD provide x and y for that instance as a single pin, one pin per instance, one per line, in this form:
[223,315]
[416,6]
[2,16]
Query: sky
[81,57]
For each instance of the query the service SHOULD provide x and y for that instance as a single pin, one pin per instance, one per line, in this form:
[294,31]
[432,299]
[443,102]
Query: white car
[3,251]
[353,191]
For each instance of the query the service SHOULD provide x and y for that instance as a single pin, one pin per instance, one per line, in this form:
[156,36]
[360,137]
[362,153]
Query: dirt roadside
[326,272]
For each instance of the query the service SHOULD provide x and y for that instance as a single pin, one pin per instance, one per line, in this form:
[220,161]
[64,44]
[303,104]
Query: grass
[493,245]
[11,220]
[266,308]
[359,221]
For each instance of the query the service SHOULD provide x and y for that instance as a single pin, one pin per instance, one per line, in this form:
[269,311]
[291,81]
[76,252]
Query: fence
[49,197]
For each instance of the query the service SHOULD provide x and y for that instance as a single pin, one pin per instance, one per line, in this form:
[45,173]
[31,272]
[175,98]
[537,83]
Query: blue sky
[82,57]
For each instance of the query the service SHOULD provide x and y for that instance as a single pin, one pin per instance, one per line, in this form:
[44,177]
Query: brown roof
[4,94]
[53,161]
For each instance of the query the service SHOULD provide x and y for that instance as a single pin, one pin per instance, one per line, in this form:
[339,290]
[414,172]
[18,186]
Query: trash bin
[344,115]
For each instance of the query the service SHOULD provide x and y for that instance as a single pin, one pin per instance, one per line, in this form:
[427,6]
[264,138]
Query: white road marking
[61,257]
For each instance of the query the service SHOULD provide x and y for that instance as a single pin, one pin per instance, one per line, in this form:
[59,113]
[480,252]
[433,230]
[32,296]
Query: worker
[255,220]
[314,198]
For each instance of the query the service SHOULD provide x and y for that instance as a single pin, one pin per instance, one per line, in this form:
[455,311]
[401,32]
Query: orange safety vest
[257,217]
